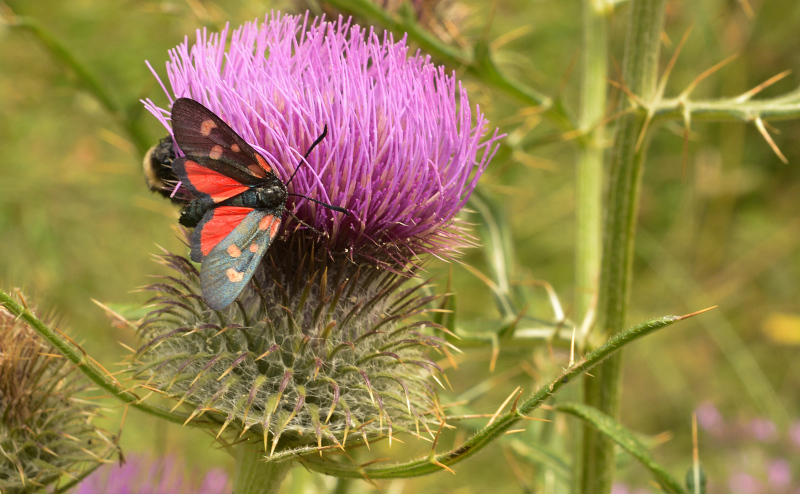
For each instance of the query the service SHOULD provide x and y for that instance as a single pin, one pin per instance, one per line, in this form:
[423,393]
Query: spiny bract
[317,348]
[46,430]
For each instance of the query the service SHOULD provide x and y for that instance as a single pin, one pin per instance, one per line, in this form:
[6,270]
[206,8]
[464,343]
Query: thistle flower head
[46,431]
[403,151]
[324,344]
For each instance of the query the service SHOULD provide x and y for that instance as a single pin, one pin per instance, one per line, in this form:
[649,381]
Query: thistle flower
[322,346]
[46,430]
[146,476]
[403,151]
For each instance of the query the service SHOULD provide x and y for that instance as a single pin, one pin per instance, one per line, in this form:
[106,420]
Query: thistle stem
[589,174]
[589,178]
[254,475]
[640,70]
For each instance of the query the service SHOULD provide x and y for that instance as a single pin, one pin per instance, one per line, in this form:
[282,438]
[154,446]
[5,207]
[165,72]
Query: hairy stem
[589,184]
[640,71]
[254,475]
[589,176]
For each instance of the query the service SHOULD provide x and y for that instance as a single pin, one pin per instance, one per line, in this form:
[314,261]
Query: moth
[238,200]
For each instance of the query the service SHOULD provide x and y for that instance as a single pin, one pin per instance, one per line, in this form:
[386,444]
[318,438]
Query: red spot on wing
[263,164]
[273,230]
[271,223]
[215,184]
[206,126]
[221,224]
[265,222]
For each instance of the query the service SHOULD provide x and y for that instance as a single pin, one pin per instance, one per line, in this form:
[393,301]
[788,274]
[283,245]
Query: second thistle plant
[329,339]
[47,433]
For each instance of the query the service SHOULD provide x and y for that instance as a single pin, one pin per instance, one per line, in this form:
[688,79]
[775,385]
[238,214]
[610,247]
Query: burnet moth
[238,200]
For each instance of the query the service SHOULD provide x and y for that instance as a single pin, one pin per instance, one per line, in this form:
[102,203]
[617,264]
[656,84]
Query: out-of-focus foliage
[77,222]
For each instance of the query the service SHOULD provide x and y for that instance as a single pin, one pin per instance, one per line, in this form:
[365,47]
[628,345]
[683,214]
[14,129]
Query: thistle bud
[316,349]
[46,429]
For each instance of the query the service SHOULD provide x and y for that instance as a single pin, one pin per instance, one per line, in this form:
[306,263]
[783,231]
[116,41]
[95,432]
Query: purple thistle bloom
[403,151]
[140,476]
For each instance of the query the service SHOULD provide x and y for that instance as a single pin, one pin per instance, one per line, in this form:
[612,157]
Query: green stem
[628,440]
[88,365]
[589,176]
[254,475]
[436,462]
[640,71]
[784,107]
[589,186]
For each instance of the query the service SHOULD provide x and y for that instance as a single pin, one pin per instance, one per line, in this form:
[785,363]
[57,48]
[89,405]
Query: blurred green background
[77,222]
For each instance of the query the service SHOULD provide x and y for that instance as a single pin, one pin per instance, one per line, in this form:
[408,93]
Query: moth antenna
[319,139]
[329,206]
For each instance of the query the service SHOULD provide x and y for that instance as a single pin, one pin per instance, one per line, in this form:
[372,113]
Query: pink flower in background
[619,488]
[779,475]
[142,476]
[709,419]
[743,483]
[763,429]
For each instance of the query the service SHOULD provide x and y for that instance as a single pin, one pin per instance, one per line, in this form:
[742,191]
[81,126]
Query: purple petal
[618,488]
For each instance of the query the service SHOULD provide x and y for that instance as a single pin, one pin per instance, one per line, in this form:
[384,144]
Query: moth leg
[304,223]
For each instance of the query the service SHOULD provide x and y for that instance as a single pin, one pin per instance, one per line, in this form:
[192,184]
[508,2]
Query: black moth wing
[208,140]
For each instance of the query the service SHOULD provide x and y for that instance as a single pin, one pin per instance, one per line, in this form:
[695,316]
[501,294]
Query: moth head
[274,193]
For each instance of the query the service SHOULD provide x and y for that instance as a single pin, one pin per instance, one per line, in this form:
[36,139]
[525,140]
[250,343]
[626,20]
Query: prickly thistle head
[327,342]
[46,429]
